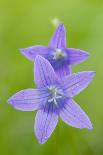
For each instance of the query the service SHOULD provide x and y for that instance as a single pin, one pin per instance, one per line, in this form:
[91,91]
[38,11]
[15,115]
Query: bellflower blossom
[60,57]
[53,99]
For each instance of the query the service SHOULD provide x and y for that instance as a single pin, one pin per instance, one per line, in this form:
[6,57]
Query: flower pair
[55,86]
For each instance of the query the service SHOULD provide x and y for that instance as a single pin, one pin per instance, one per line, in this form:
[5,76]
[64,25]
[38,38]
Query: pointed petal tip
[88,73]
[85,55]
[62,26]
[90,126]
[42,141]
[9,101]
[22,51]
[58,39]
[25,52]
[76,56]
[92,73]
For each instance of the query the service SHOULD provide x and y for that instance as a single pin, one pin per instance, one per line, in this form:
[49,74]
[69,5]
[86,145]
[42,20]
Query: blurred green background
[26,23]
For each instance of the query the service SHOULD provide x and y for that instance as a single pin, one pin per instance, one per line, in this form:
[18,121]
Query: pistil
[59,54]
[54,94]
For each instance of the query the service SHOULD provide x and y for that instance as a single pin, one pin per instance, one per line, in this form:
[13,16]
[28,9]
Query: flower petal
[32,52]
[73,115]
[63,71]
[45,123]
[75,83]
[28,100]
[44,72]
[58,39]
[76,55]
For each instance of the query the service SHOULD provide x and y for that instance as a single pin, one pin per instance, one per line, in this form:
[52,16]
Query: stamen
[55,94]
[59,53]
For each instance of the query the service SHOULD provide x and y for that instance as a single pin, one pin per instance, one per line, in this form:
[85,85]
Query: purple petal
[63,71]
[32,52]
[73,115]
[58,39]
[75,83]
[44,72]
[76,56]
[45,123]
[28,100]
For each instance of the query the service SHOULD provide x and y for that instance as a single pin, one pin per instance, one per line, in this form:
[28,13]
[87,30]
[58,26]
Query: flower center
[55,94]
[59,54]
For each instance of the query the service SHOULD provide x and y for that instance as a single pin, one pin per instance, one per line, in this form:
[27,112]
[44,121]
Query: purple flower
[60,57]
[53,99]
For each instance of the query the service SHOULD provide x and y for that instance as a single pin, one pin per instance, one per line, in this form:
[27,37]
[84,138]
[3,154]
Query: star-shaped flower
[53,99]
[60,57]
